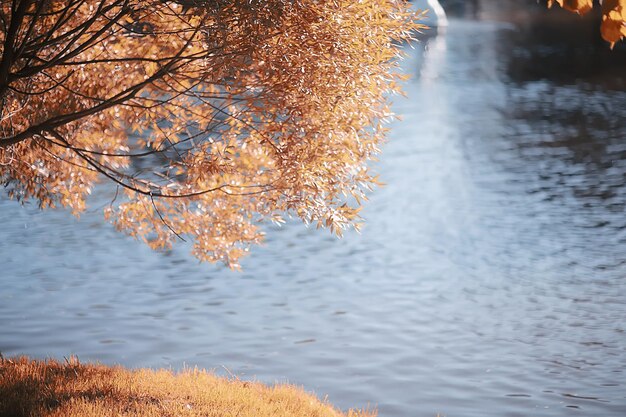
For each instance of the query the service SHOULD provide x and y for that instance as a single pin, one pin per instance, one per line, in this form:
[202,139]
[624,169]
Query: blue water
[490,279]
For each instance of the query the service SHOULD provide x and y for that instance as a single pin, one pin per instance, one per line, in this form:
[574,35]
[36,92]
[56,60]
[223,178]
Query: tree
[211,116]
[613,27]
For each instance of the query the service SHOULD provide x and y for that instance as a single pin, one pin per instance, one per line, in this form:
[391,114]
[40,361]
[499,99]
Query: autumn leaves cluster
[613,27]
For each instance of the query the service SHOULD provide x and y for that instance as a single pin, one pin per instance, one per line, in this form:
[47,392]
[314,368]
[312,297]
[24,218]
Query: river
[490,279]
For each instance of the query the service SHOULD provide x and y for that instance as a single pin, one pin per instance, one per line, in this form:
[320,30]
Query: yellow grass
[30,388]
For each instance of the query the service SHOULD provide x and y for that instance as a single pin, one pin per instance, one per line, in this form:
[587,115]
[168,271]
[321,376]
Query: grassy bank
[30,388]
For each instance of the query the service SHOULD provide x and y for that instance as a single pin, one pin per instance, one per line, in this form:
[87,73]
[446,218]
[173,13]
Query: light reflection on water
[489,281]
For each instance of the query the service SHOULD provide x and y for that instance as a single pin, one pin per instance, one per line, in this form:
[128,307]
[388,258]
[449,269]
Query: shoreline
[49,388]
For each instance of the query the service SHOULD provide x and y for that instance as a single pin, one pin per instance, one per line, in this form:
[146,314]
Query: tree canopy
[211,116]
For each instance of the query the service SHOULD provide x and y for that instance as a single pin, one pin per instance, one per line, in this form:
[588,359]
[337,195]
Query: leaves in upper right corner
[578,6]
[613,26]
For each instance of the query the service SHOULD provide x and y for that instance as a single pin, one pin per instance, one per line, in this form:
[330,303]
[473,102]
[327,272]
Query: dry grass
[30,388]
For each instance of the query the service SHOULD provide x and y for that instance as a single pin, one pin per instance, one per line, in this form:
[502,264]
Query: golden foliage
[613,27]
[213,116]
[613,20]
[578,6]
[51,389]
